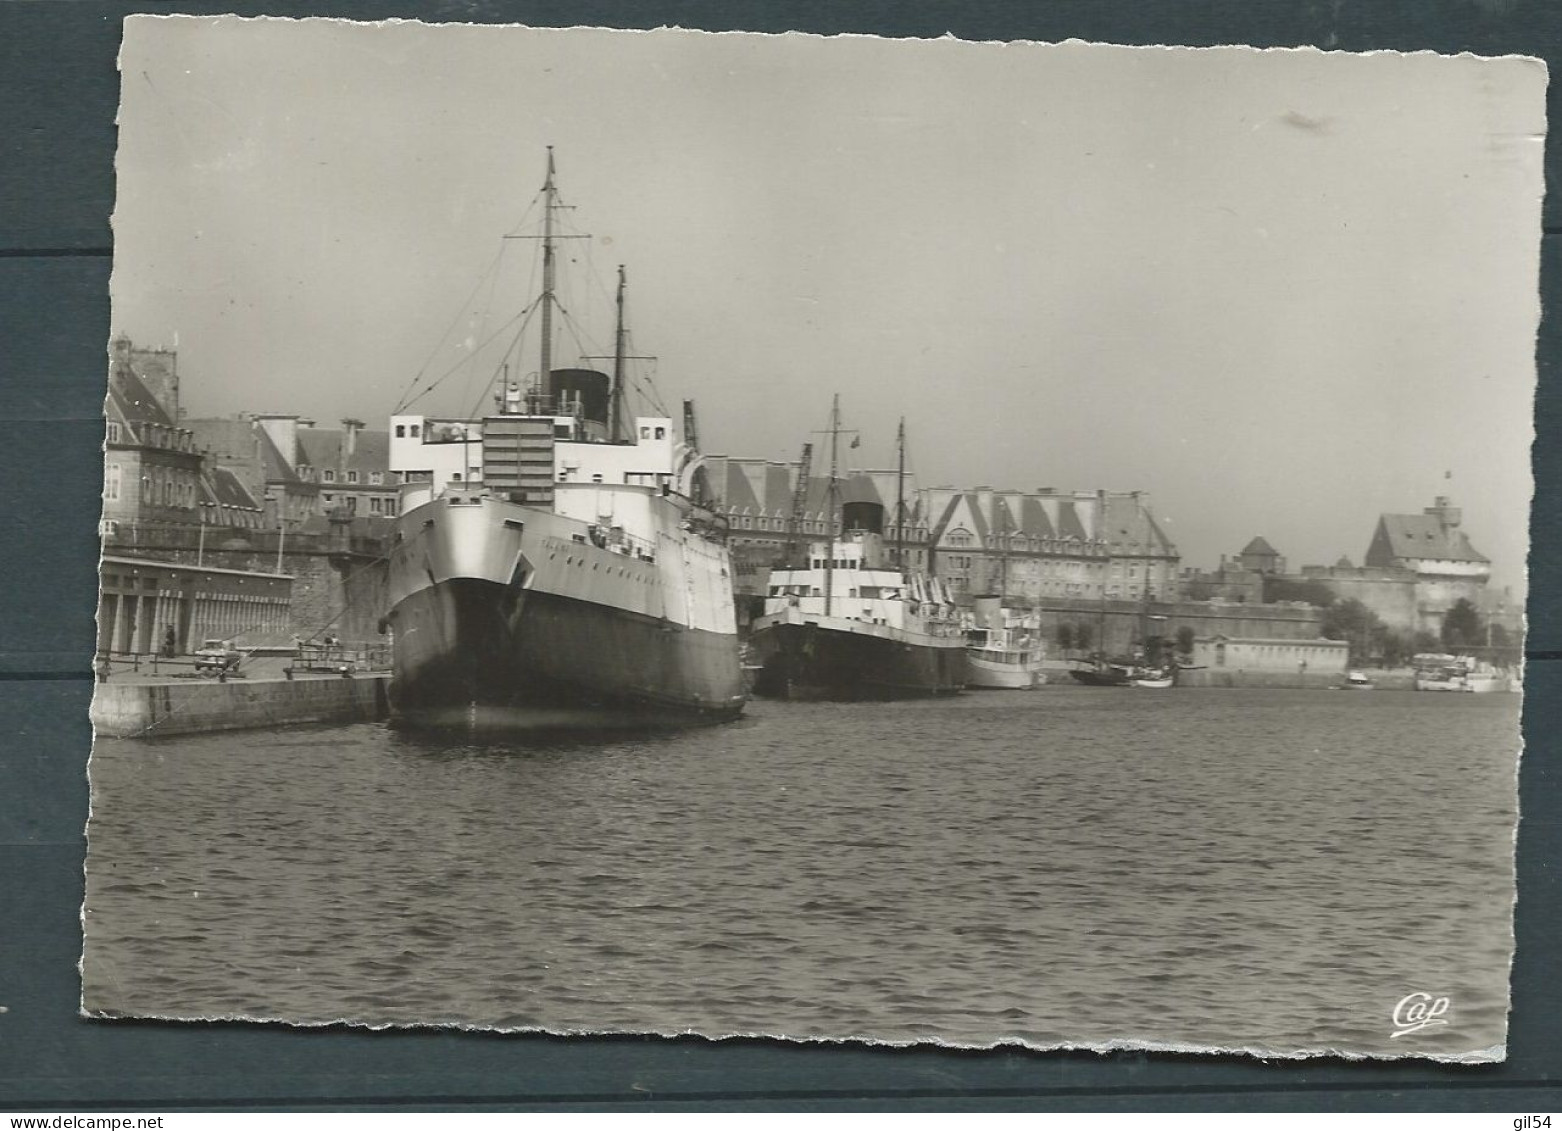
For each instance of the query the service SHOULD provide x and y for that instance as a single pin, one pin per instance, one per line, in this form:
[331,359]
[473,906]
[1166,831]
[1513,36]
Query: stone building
[304,474]
[1031,546]
[1258,556]
[211,529]
[151,470]
[1026,546]
[156,477]
[1416,568]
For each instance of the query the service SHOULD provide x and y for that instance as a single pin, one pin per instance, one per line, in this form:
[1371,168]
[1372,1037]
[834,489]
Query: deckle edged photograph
[819,538]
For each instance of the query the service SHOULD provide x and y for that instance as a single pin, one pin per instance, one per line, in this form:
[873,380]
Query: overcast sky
[1282,291]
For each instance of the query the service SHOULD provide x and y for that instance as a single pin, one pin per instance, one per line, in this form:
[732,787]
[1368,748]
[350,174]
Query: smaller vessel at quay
[1003,648]
[1357,681]
[849,622]
[1101,672]
[1437,671]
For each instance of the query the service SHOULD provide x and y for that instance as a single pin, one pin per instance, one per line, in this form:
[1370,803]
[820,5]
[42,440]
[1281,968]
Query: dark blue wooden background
[58,96]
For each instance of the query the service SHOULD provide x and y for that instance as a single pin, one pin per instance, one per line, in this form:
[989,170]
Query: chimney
[350,430]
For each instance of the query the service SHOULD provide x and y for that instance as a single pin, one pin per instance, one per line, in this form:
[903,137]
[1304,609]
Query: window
[113,431]
[330,476]
[112,477]
[661,433]
[374,505]
[401,431]
[375,478]
[352,477]
[328,498]
[390,506]
[352,504]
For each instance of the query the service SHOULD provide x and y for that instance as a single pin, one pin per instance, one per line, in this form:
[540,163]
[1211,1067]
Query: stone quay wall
[151,710]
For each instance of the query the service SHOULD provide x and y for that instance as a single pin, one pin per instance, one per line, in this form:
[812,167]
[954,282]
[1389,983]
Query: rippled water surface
[1256,869]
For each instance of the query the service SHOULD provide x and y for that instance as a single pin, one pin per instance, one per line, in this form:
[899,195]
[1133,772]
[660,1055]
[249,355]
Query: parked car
[217,656]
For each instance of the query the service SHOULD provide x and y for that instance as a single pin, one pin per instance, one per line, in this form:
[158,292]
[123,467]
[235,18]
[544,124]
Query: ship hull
[997,675]
[513,615]
[467,646]
[815,661]
[1100,677]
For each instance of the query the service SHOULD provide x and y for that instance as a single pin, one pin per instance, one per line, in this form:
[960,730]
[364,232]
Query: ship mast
[616,408]
[545,366]
[900,497]
[1144,604]
[830,500]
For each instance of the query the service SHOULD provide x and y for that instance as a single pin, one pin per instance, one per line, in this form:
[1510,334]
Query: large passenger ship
[554,558]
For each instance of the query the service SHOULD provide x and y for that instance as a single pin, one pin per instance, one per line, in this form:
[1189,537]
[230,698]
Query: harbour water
[1267,870]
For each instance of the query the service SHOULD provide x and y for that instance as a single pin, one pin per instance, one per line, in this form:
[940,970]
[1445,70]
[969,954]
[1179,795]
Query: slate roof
[1034,520]
[324,447]
[223,488]
[1423,536]
[1129,528]
[134,402]
[1259,547]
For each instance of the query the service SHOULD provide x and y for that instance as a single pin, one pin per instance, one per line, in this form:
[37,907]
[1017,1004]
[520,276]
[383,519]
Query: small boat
[1104,673]
[1003,649]
[1358,681]
[1157,678]
[1442,672]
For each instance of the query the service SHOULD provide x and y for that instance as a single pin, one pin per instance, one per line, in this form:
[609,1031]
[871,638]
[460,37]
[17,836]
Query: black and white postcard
[819,538]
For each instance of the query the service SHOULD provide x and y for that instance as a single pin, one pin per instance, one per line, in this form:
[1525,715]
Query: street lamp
[200,546]
[272,497]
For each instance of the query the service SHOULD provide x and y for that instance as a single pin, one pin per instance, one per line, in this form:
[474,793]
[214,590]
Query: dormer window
[352,477]
[661,433]
[330,476]
[113,431]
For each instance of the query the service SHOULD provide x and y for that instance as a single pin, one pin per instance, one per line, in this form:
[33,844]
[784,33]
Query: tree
[1082,637]
[1185,640]
[1462,626]
[1396,649]
[1357,625]
[1065,636]
[1289,589]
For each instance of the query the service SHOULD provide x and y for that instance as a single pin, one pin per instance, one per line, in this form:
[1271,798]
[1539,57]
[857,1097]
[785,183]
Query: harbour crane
[793,554]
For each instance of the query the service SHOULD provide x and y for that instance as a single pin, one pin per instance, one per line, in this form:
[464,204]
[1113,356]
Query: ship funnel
[865,516]
[591,389]
[988,611]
